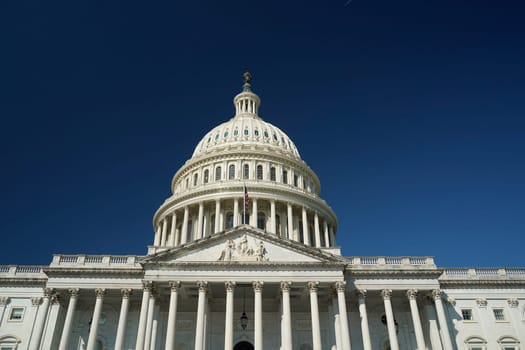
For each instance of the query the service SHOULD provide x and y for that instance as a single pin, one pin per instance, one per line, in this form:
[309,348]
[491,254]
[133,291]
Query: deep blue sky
[410,112]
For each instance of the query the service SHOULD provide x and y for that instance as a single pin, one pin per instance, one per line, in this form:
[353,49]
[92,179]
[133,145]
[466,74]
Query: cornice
[433,273]
[483,283]
[53,271]
[26,281]
[248,265]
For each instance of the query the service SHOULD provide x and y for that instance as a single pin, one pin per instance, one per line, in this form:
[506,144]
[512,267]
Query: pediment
[243,244]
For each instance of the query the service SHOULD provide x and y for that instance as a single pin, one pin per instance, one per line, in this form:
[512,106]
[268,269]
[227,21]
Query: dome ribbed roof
[246,129]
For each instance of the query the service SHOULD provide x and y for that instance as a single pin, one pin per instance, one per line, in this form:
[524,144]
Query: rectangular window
[499,315]
[467,314]
[17,313]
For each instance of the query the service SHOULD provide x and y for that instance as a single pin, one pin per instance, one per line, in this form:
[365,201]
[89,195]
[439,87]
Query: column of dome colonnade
[282,218]
[208,191]
[147,332]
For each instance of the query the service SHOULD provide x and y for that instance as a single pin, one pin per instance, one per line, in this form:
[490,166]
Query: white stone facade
[230,270]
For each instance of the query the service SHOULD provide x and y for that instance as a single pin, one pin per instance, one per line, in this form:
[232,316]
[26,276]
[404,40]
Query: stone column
[254,212]
[391,323]
[184,233]
[361,297]
[273,226]
[199,332]
[92,340]
[164,231]
[314,311]
[141,331]
[340,288]
[149,320]
[317,231]
[412,299]
[156,243]
[326,236]
[217,216]
[154,328]
[41,319]
[172,316]
[3,303]
[447,342]
[287,316]
[306,235]
[228,322]
[199,220]
[289,217]
[73,297]
[173,231]
[258,320]
[235,212]
[121,329]
[337,323]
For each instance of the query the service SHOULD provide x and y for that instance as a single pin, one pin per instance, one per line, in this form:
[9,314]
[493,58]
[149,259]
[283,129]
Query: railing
[22,270]
[94,260]
[392,260]
[483,272]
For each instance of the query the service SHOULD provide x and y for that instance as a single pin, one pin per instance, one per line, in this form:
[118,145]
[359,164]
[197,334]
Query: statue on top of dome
[247,79]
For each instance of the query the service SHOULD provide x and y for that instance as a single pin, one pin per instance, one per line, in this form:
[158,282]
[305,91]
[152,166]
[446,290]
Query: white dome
[246,130]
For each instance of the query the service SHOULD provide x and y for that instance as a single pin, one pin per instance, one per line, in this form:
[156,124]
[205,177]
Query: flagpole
[243,194]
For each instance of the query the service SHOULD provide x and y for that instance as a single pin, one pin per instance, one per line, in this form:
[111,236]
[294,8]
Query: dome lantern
[246,103]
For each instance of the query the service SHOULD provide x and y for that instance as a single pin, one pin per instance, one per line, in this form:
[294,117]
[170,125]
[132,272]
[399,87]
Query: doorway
[243,345]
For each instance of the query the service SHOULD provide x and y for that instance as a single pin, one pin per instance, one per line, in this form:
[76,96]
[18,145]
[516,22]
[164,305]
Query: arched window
[206,176]
[246,171]
[231,172]
[508,343]
[195,179]
[229,220]
[295,180]
[218,173]
[261,220]
[476,343]
[285,177]
[259,172]
[272,173]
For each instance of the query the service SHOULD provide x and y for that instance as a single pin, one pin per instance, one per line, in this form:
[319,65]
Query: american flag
[246,199]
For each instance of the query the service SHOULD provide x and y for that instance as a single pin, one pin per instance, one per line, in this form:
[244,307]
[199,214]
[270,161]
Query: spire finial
[247,79]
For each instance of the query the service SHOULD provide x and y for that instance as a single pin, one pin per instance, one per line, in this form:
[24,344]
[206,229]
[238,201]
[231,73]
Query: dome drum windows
[206,176]
[259,172]
[231,172]
[218,171]
[272,174]
[246,171]
[195,179]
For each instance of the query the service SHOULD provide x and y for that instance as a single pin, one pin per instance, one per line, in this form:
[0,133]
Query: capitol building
[243,256]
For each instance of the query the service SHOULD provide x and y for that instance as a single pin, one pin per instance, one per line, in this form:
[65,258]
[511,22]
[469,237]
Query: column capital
[313,287]
[386,294]
[100,292]
[361,294]
[340,286]
[4,301]
[436,294]
[230,286]
[48,292]
[147,286]
[513,302]
[412,294]
[174,285]
[73,292]
[126,292]
[257,286]
[285,286]
[203,286]
[55,299]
